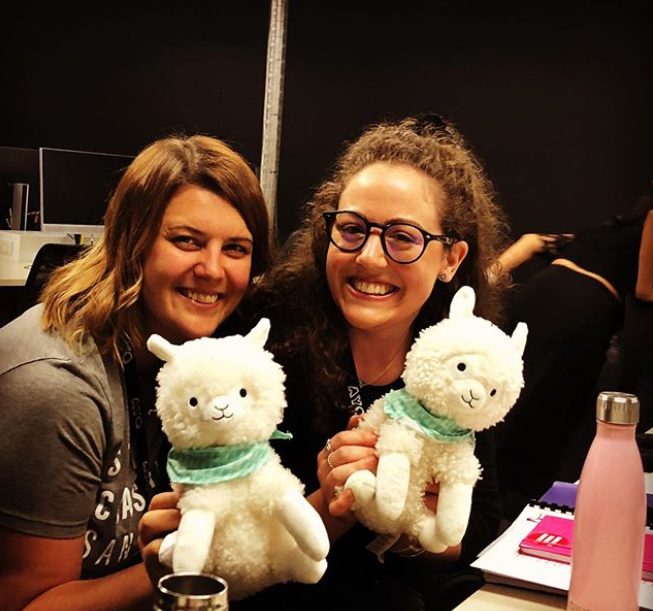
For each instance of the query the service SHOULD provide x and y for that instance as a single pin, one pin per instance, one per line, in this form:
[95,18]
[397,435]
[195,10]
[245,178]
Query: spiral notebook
[563,495]
[503,563]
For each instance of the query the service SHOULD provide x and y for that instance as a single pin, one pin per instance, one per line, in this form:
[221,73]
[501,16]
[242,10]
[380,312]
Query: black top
[611,251]
[311,428]
[355,579]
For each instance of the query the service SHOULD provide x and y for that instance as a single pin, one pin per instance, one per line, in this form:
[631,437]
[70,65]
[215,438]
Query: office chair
[48,258]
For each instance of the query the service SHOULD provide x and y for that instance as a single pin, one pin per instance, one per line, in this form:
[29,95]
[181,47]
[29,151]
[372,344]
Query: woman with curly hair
[81,448]
[407,218]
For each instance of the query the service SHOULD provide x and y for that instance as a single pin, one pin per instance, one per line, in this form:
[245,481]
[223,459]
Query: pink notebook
[553,536]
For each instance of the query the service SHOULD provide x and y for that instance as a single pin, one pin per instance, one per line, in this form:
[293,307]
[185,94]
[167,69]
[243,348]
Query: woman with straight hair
[81,448]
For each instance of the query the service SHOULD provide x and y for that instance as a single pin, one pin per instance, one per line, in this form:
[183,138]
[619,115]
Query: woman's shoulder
[24,340]
[26,320]
[34,358]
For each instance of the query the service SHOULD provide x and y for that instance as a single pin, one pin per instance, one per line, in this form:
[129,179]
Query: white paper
[501,561]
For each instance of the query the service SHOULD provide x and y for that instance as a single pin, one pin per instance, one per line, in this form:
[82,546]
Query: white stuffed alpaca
[461,375]
[244,516]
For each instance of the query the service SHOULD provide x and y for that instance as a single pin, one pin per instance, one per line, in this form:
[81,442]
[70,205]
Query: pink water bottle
[610,514]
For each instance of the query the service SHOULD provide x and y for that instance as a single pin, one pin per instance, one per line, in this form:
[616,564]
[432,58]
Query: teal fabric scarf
[217,464]
[398,404]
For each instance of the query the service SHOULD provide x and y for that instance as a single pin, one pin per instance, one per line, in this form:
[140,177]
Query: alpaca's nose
[220,408]
[471,392]
[220,402]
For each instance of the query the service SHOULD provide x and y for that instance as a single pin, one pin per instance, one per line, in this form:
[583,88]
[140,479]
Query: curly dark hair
[296,287]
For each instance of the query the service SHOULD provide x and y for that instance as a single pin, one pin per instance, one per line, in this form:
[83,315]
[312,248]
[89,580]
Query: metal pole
[273,104]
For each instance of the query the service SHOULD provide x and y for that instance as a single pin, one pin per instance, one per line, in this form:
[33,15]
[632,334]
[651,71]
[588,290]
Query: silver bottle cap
[191,591]
[617,408]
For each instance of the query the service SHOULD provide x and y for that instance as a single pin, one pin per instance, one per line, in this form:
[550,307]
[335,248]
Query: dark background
[556,97]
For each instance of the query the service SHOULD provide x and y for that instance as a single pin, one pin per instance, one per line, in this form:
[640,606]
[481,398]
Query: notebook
[563,495]
[552,538]
[503,563]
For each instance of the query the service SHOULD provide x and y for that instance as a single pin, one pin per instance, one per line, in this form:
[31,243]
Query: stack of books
[534,552]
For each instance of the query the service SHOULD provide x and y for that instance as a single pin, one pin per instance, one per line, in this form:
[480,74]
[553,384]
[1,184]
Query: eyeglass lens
[402,243]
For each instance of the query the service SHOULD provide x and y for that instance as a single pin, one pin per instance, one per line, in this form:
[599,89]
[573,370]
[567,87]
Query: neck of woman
[379,356]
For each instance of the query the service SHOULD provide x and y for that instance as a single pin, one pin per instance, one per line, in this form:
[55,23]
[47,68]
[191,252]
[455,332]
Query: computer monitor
[76,187]
[19,167]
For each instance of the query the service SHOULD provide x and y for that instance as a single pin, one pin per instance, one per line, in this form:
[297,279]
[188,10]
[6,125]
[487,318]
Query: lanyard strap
[147,443]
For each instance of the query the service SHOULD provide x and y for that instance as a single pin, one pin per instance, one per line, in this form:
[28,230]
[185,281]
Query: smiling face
[198,268]
[372,291]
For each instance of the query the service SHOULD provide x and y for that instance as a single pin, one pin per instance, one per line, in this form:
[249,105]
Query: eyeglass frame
[330,218]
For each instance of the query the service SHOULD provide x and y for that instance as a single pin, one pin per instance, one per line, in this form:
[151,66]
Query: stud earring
[443,277]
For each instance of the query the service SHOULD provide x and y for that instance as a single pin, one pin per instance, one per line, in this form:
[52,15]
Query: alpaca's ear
[462,304]
[161,347]
[259,334]
[519,336]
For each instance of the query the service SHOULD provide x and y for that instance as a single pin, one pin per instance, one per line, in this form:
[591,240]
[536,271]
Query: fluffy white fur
[464,368]
[256,530]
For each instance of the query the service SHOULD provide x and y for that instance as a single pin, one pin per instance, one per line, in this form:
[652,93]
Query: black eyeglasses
[402,242]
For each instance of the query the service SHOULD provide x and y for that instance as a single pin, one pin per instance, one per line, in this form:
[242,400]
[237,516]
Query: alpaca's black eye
[243,392]
[493,392]
[193,401]
[461,366]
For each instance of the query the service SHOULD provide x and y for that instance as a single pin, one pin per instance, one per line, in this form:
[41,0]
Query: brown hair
[96,294]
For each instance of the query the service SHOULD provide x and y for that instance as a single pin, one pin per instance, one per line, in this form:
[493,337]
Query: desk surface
[14,273]
[24,245]
[493,597]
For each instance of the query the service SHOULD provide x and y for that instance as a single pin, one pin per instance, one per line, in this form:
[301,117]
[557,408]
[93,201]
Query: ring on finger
[328,459]
[328,447]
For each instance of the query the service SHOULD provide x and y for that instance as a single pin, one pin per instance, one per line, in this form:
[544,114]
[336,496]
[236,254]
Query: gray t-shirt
[65,463]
